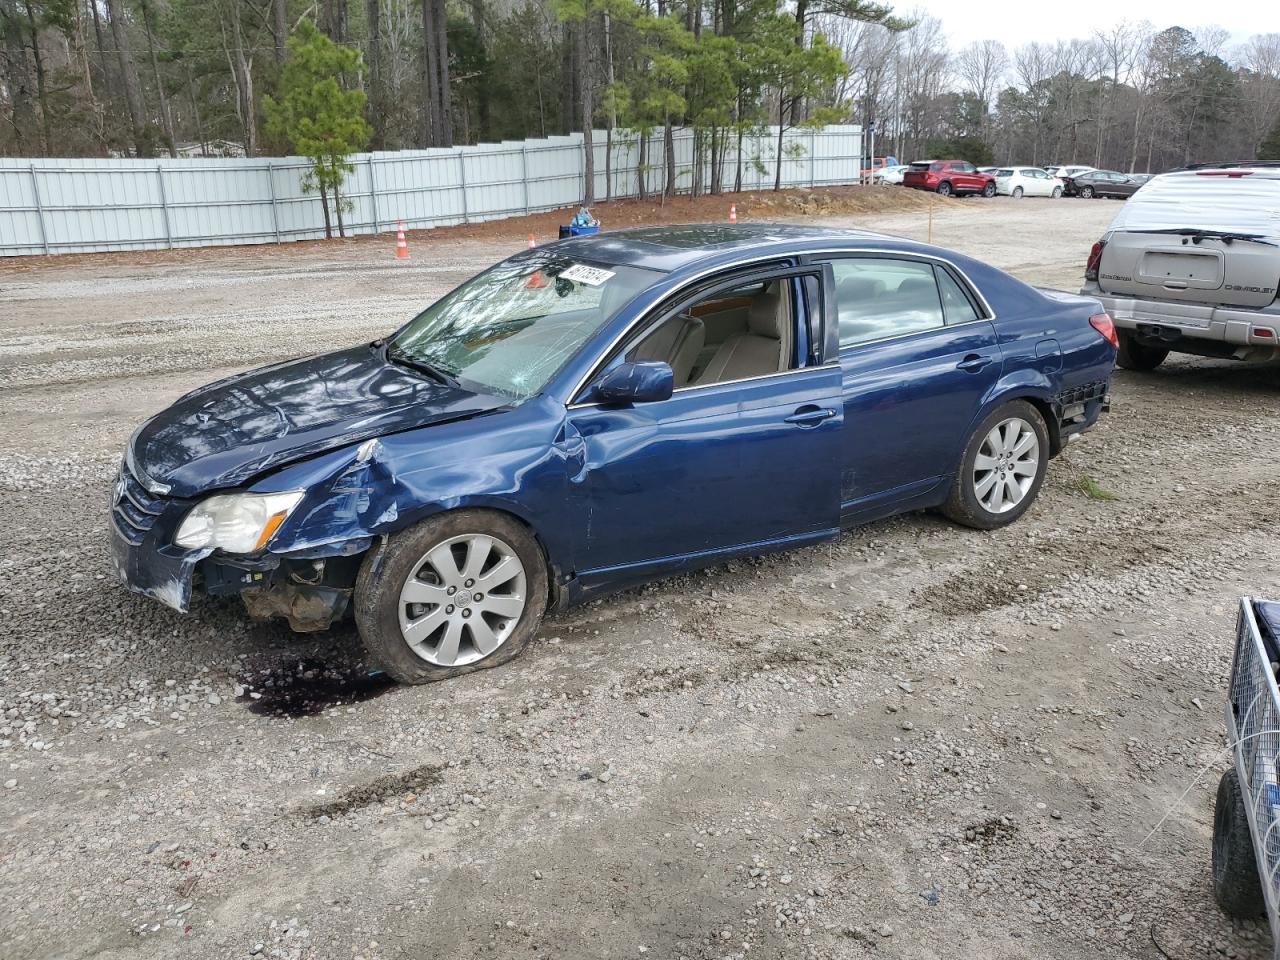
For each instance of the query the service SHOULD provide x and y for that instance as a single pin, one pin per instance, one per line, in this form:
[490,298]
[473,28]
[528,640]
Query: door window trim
[655,315]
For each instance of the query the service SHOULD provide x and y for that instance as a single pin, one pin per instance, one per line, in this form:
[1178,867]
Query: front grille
[1083,393]
[133,509]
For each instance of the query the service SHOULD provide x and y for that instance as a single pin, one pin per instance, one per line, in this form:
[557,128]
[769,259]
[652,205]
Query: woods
[192,77]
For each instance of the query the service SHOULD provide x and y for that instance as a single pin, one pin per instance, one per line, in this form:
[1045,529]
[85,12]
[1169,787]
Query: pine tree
[1269,149]
[316,116]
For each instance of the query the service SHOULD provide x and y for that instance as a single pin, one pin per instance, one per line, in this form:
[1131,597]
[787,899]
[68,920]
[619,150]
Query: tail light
[1095,259]
[1102,323]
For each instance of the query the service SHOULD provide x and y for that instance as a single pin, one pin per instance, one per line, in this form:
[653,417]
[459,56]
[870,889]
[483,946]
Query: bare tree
[981,68]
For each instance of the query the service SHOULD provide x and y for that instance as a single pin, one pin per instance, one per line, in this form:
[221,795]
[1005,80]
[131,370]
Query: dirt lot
[918,741]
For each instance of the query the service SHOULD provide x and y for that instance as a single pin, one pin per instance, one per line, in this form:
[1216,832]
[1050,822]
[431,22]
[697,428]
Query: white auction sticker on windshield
[581,273]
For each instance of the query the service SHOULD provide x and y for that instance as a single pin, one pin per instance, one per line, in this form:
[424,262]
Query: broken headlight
[236,522]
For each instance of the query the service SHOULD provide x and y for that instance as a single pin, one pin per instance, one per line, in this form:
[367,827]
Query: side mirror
[641,381]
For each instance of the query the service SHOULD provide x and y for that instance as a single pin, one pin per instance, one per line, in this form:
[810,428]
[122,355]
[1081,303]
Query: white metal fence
[77,206]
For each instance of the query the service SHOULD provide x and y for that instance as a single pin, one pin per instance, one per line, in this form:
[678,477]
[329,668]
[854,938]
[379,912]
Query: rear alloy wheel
[990,189]
[1017,193]
[1133,355]
[459,592]
[1236,884]
[1057,193]
[944,189]
[1086,193]
[1002,469]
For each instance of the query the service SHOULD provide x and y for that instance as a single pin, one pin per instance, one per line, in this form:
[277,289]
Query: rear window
[1004,173]
[1244,204]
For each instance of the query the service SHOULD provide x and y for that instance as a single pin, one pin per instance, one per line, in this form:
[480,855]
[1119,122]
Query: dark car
[602,411]
[949,177]
[1101,183]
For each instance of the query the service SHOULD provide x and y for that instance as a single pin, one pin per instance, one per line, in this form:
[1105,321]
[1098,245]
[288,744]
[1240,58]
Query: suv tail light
[1102,323]
[1095,259]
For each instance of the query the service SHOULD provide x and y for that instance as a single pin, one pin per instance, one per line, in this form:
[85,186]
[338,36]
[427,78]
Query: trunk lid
[1144,258]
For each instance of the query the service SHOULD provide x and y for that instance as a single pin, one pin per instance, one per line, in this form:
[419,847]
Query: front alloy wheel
[1002,468]
[989,190]
[462,600]
[461,591]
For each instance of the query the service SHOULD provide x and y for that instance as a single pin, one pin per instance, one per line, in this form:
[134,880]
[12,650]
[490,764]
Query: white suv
[1191,264]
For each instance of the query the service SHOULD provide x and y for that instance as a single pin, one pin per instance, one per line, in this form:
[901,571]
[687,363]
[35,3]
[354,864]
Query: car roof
[674,247]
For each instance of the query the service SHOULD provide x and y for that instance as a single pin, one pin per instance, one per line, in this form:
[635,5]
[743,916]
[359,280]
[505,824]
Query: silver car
[1190,265]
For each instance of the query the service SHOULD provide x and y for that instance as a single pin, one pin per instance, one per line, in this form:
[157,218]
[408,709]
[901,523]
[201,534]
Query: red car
[949,177]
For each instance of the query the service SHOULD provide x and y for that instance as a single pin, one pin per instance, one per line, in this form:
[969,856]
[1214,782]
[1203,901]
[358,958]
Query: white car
[1018,182]
[892,174]
[1071,170]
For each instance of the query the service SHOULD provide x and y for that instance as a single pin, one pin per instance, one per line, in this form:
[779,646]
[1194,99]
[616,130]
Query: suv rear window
[1242,204]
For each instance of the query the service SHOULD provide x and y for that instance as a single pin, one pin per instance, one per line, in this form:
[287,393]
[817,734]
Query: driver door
[742,457]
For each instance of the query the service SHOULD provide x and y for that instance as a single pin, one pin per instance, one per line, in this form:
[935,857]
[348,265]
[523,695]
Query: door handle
[973,363]
[810,416]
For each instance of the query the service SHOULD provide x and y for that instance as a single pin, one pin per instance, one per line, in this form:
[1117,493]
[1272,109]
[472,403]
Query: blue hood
[228,432]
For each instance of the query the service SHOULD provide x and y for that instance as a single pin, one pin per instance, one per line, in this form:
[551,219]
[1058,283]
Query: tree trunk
[642,161]
[280,29]
[588,122]
[777,179]
[324,205]
[483,113]
[333,20]
[129,76]
[669,155]
[373,14]
[737,174]
[797,105]
[442,61]
[103,62]
[195,113]
[613,119]
[42,94]
[165,115]
[337,206]
[431,77]
[17,78]
[242,69]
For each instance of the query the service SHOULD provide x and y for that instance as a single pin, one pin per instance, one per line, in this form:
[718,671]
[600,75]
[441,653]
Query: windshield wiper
[1226,236]
[404,359]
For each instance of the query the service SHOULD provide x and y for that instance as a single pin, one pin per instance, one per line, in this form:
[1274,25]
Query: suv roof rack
[1228,164]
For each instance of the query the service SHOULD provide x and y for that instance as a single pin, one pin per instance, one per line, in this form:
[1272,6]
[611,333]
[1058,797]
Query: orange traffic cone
[402,246]
[733,213]
[531,243]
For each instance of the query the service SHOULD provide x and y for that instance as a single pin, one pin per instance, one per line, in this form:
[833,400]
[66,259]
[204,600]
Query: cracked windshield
[509,329]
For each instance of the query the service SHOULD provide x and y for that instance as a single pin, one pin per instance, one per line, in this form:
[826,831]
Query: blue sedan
[600,412]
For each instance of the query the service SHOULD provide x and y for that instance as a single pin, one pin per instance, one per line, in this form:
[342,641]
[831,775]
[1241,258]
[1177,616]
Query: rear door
[918,355]
[965,176]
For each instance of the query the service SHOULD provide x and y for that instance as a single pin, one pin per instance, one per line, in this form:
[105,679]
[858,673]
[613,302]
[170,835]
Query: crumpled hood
[228,432]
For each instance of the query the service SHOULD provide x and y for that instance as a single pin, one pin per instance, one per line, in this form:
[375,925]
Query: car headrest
[762,318]
[916,287]
[859,288]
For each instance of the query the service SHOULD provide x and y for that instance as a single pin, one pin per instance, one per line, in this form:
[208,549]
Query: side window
[878,298]
[734,334]
[965,167]
[956,305]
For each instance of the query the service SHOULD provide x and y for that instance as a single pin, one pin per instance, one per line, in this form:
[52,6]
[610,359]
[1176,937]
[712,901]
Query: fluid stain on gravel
[309,687]
[393,784]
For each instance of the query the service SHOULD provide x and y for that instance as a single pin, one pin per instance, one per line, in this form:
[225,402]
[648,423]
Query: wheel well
[1050,422]
[554,589]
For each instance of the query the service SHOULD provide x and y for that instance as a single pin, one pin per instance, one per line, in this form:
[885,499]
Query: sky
[1049,22]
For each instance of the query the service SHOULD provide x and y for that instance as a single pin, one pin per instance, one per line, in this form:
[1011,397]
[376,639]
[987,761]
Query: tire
[978,493]
[1086,193]
[1132,355]
[989,190]
[481,633]
[944,189]
[1017,193]
[1236,885]
[1057,193]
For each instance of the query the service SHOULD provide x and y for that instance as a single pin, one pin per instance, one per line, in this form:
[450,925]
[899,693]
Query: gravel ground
[917,741]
